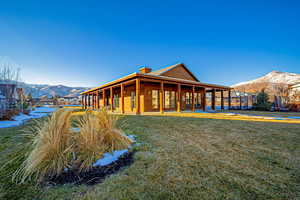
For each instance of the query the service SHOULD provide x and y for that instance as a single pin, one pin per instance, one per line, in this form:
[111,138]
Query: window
[107,101]
[198,99]
[188,98]
[170,99]
[155,99]
[132,99]
[167,99]
[116,101]
[173,99]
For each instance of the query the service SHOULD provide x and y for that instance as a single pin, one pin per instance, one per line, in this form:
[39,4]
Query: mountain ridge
[39,90]
[273,77]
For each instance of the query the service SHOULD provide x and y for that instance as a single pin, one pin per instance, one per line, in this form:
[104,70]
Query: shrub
[294,107]
[51,148]
[263,103]
[98,134]
[9,114]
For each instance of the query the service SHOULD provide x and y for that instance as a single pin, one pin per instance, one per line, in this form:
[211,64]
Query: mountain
[38,90]
[273,82]
[275,77]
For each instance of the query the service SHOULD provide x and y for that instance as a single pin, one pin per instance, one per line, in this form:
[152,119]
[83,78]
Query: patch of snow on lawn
[22,118]
[109,158]
[132,137]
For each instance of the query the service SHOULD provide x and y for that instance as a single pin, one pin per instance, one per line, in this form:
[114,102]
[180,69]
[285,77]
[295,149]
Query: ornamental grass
[51,148]
[54,147]
[98,134]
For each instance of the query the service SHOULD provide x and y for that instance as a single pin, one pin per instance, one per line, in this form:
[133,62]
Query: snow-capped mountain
[274,77]
[37,90]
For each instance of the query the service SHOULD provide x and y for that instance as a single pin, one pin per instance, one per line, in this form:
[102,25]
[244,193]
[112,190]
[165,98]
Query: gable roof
[162,71]
[159,74]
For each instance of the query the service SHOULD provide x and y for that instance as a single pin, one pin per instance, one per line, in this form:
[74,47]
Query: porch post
[193,98]
[240,102]
[137,95]
[89,100]
[111,99]
[229,99]
[203,99]
[95,96]
[122,98]
[247,101]
[82,101]
[85,101]
[222,100]
[178,98]
[213,99]
[104,97]
[98,99]
[161,98]
[93,100]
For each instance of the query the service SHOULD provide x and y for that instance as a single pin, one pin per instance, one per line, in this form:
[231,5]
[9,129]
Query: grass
[189,158]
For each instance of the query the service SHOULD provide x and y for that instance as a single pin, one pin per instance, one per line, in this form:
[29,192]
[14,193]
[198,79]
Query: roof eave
[112,82]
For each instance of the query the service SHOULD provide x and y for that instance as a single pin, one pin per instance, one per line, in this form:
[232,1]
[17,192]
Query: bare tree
[9,80]
[9,71]
[281,90]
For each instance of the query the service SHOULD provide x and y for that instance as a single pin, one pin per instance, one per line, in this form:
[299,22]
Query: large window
[155,99]
[116,101]
[173,99]
[167,99]
[132,99]
[188,97]
[198,99]
[170,99]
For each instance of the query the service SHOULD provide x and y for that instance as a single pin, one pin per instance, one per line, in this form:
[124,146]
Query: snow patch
[22,118]
[109,158]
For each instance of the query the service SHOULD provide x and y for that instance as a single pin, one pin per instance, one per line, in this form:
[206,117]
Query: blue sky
[86,43]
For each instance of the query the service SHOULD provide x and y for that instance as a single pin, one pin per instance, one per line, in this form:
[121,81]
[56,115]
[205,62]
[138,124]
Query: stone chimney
[145,70]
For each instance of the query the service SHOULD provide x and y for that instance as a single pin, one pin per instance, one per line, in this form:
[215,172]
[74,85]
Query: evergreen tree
[263,102]
[29,97]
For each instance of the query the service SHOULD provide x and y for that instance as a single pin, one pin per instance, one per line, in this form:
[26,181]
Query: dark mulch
[95,175]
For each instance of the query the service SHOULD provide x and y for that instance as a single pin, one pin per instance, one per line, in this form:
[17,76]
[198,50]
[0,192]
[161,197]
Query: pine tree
[263,102]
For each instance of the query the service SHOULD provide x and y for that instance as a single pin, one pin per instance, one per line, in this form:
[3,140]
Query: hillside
[52,90]
[269,82]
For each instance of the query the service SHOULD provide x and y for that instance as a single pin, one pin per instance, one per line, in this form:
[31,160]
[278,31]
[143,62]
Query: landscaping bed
[95,175]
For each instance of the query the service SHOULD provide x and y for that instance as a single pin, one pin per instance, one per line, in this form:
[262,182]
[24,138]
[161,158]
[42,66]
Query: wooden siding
[179,72]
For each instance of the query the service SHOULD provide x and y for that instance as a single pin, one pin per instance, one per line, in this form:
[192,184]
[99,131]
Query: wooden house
[173,88]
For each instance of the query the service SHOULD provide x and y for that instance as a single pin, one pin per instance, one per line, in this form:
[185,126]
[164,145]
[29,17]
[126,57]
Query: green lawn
[188,158]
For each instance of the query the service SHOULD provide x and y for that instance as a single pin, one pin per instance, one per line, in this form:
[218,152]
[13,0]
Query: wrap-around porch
[144,94]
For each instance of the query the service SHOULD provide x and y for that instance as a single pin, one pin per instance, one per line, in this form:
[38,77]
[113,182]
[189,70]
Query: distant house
[295,92]
[10,96]
[69,100]
[45,100]
[173,88]
[9,90]
[9,93]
